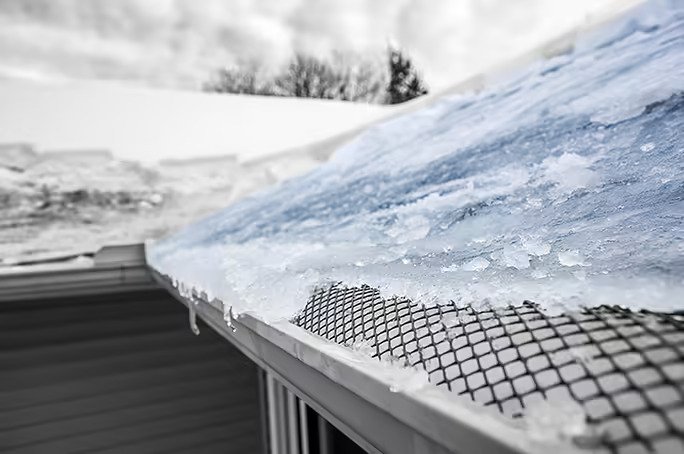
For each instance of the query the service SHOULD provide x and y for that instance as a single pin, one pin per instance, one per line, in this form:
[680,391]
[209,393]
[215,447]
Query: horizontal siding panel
[140,380]
[124,436]
[74,310]
[101,421]
[98,403]
[211,438]
[121,373]
[85,331]
[71,308]
[64,352]
[95,368]
[103,349]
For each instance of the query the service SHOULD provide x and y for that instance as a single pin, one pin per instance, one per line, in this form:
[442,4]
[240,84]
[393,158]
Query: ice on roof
[562,185]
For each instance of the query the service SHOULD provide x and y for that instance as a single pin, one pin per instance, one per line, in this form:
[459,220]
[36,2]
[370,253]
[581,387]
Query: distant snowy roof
[151,125]
[561,185]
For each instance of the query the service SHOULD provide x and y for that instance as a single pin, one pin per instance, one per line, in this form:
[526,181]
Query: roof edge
[357,398]
[113,269]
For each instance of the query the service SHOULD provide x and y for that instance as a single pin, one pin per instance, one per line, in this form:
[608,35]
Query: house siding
[121,373]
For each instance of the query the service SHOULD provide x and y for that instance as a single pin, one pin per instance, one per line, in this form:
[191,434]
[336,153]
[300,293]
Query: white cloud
[179,42]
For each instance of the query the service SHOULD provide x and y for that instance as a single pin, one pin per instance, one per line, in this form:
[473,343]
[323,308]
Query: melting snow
[562,185]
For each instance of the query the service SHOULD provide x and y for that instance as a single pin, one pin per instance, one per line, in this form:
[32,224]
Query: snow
[167,195]
[564,178]
[571,258]
[404,379]
[476,264]
[401,379]
[553,420]
[144,125]
[180,155]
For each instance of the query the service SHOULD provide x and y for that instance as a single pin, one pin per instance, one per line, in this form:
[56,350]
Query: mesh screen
[626,369]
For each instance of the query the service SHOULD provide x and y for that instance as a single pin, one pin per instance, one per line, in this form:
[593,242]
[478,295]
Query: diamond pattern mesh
[626,369]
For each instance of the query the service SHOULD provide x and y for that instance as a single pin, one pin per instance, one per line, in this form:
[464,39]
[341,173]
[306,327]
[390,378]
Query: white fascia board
[357,399]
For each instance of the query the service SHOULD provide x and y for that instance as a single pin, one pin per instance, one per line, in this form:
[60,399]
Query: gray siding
[121,373]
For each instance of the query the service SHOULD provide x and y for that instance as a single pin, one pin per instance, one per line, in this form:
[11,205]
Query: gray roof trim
[113,269]
[356,398]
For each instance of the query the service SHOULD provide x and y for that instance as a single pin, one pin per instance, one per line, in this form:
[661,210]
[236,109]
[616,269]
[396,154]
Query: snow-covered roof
[425,240]
[81,139]
[558,185]
[152,125]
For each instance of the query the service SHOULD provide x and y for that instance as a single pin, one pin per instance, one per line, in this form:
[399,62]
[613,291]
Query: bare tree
[306,77]
[245,81]
[360,80]
[343,77]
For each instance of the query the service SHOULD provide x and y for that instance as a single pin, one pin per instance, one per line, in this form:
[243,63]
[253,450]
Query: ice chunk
[571,258]
[476,264]
[580,274]
[412,380]
[647,147]
[516,257]
[451,319]
[583,354]
[537,247]
[569,171]
[464,318]
[365,346]
[409,228]
[556,419]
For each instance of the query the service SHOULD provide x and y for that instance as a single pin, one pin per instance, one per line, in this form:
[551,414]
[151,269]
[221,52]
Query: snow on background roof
[561,185]
[145,125]
[86,165]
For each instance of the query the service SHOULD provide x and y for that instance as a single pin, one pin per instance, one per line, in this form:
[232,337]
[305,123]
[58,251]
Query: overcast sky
[178,43]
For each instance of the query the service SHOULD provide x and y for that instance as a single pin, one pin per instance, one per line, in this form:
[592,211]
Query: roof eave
[114,269]
[357,399]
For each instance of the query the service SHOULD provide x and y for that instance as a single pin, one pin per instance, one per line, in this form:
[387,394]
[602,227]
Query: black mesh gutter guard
[625,368]
[357,399]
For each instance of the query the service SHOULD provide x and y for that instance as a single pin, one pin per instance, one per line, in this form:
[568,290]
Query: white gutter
[356,396]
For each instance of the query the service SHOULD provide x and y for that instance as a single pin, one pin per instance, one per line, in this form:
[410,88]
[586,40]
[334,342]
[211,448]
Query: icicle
[228,317]
[193,317]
